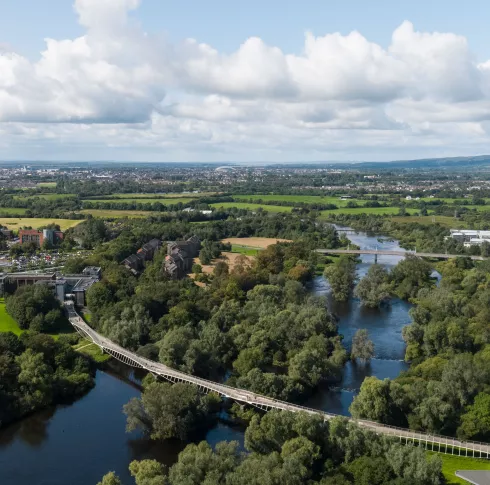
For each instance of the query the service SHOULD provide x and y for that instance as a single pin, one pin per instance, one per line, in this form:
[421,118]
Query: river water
[77,444]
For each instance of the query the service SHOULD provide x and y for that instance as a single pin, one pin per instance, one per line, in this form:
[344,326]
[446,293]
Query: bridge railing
[244,395]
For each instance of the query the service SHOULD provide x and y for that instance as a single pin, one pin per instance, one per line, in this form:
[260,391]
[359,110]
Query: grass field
[252,207]
[141,200]
[18,222]
[45,196]
[91,350]
[149,195]
[367,210]
[253,242]
[452,463]
[15,211]
[247,251]
[7,323]
[307,199]
[46,184]
[116,213]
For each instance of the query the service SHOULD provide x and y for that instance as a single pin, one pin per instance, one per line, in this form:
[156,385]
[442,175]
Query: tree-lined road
[437,443]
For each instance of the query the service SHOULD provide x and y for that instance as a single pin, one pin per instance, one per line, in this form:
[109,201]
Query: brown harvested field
[254,242]
[229,258]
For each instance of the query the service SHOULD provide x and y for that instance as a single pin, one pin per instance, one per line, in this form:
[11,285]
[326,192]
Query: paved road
[396,253]
[437,443]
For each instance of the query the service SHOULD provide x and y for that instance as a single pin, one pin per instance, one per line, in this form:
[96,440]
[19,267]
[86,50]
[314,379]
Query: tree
[362,347]
[409,275]
[341,276]
[170,411]
[475,423]
[368,470]
[374,288]
[110,479]
[148,472]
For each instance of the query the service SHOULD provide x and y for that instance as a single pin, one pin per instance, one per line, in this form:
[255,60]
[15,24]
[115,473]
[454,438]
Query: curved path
[387,252]
[437,443]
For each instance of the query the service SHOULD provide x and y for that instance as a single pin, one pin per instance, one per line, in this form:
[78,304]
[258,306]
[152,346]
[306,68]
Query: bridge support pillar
[375,259]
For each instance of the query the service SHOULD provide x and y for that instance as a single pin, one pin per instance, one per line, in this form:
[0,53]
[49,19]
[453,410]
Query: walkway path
[437,443]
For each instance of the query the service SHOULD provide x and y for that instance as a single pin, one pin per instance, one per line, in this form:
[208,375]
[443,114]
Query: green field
[18,222]
[252,207]
[15,211]
[149,195]
[116,214]
[141,200]
[246,250]
[367,210]
[7,323]
[91,350]
[45,196]
[46,184]
[452,463]
[307,199]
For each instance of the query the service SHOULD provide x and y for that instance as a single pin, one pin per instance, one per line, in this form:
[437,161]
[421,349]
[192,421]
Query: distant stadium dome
[221,169]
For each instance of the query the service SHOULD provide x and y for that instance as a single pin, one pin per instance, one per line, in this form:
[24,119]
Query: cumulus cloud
[116,86]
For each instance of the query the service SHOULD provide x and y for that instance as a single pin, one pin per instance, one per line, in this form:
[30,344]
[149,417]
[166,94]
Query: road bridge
[435,443]
[388,252]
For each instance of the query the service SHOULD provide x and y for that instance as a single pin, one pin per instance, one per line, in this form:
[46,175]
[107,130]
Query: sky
[255,81]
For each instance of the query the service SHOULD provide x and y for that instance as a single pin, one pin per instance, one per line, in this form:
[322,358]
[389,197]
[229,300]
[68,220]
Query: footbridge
[434,443]
[387,252]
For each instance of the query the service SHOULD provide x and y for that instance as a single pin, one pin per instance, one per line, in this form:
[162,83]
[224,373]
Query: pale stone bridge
[387,252]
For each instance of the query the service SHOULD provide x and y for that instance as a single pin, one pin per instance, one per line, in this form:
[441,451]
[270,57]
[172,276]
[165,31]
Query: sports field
[252,207]
[253,242]
[19,222]
[116,213]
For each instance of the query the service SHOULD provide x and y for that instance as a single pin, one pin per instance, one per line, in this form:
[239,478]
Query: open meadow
[116,214]
[142,200]
[252,207]
[35,222]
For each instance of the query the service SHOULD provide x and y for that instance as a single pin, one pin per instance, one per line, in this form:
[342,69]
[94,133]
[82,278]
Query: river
[78,443]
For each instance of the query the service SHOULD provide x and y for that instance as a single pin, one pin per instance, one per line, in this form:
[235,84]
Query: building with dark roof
[180,256]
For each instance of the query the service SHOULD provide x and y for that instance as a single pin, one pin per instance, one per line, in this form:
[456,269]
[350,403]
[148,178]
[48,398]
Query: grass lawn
[247,250]
[45,196]
[252,207]
[116,213]
[92,351]
[47,184]
[140,200]
[367,210]
[307,199]
[452,463]
[149,195]
[7,323]
[15,211]
[19,222]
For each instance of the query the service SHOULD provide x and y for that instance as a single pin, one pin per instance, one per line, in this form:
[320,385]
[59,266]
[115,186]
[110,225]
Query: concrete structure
[469,237]
[438,444]
[180,256]
[476,477]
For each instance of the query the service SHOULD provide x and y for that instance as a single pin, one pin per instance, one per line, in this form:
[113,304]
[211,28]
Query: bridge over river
[435,443]
[387,252]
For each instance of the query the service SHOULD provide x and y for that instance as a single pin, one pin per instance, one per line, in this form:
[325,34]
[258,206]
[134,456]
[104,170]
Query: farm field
[19,222]
[45,196]
[115,213]
[149,195]
[367,210]
[18,211]
[141,200]
[253,242]
[308,199]
[252,207]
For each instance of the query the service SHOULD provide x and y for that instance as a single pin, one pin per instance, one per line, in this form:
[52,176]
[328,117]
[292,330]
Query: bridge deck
[437,443]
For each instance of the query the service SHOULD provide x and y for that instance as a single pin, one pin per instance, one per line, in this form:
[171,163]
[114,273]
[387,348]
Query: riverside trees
[374,289]
[341,275]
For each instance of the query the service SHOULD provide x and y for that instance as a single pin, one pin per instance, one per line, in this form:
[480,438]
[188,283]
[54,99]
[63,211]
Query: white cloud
[116,87]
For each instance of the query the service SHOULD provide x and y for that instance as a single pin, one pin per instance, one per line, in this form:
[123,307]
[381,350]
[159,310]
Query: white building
[470,237]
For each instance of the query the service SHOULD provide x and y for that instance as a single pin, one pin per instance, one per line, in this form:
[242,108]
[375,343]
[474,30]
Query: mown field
[141,200]
[252,207]
[46,184]
[15,211]
[306,199]
[452,463]
[115,213]
[443,220]
[149,195]
[7,323]
[34,222]
[367,210]
[45,196]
